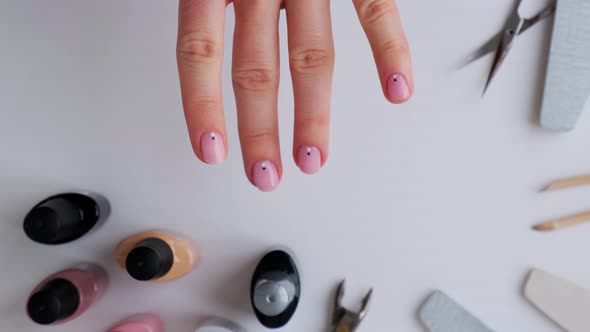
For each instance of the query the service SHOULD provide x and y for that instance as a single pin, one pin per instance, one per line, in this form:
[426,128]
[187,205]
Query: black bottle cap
[152,258]
[57,300]
[61,219]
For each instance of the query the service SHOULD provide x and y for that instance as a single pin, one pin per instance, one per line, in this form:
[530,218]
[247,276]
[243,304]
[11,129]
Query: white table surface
[439,193]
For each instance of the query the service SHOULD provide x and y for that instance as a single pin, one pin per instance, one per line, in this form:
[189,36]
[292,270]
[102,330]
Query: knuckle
[257,135]
[313,121]
[204,106]
[395,46]
[255,79]
[311,60]
[374,10]
[253,3]
[195,48]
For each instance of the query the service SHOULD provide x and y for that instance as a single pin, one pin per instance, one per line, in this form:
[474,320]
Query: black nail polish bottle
[275,289]
[65,217]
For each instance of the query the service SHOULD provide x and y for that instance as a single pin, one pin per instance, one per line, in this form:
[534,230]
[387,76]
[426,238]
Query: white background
[439,193]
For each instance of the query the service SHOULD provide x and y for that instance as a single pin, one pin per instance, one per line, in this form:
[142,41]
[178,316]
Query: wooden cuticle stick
[563,222]
[575,181]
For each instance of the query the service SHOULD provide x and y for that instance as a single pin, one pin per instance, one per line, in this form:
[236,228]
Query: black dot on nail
[395,79]
[309,153]
[264,168]
[213,138]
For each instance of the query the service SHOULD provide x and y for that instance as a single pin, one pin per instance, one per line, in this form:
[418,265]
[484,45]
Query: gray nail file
[567,85]
[440,313]
[564,302]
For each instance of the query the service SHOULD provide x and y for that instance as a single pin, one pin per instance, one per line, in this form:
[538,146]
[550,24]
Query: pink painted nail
[397,87]
[265,175]
[212,148]
[309,159]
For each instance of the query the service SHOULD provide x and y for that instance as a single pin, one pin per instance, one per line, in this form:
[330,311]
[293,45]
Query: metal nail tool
[502,42]
[344,320]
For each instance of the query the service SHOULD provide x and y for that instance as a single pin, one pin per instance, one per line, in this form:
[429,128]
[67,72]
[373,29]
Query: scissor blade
[486,48]
[512,30]
[548,11]
[498,60]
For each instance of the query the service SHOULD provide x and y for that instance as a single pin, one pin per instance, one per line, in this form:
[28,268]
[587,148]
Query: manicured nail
[397,87]
[309,159]
[212,148]
[265,175]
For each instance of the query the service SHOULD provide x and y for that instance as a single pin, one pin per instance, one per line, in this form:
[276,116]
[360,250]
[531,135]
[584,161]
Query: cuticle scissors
[502,42]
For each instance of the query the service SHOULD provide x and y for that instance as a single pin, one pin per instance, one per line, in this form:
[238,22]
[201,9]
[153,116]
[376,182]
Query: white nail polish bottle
[219,325]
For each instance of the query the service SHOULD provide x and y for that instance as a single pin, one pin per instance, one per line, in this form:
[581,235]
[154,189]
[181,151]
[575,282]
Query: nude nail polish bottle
[65,295]
[156,256]
[65,217]
[139,323]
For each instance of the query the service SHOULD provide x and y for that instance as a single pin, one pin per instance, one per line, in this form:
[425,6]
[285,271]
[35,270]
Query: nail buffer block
[439,313]
[567,86]
[564,302]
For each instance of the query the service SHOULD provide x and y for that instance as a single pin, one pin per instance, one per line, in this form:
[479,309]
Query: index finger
[382,24]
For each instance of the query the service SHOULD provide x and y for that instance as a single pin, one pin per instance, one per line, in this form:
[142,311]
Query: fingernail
[309,159]
[397,87]
[212,148]
[265,175]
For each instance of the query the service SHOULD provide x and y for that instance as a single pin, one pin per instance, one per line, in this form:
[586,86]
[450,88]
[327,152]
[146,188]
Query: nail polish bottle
[65,295]
[219,325]
[275,289]
[139,323]
[65,217]
[156,256]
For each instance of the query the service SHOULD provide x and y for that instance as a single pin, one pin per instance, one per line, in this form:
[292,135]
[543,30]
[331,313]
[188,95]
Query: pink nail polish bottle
[65,295]
[140,323]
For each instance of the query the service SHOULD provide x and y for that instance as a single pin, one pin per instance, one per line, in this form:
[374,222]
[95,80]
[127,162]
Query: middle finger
[255,73]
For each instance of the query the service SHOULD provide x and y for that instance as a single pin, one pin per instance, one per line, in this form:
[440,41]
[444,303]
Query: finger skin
[382,24]
[199,57]
[311,61]
[255,75]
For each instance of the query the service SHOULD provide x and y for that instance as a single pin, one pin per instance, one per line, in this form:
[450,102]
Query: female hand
[255,75]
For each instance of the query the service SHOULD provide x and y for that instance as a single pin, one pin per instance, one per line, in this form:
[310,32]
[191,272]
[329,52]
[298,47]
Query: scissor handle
[543,14]
[515,10]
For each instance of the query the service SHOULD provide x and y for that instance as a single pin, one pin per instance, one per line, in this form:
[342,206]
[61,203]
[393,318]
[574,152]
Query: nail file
[440,313]
[567,85]
[564,302]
